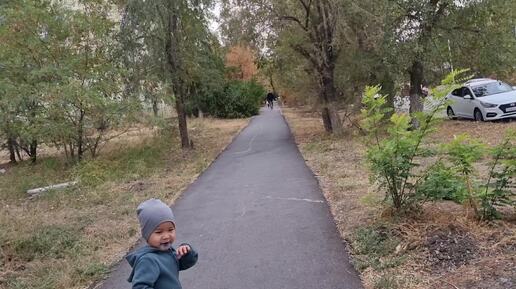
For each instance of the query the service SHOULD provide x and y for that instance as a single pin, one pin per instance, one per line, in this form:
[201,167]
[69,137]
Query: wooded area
[326,51]
[75,74]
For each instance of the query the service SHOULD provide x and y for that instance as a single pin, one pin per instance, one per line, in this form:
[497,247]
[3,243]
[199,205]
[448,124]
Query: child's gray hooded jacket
[155,269]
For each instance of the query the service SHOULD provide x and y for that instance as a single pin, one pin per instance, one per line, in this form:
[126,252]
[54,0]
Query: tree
[60,80]
[167,36]
[87,103]
[241,59]
[431,37]
[317,36]
[483,38]
[412,25]
[27,69]
[320,44]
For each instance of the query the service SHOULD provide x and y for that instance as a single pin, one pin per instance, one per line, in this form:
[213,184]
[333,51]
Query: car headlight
[487,104]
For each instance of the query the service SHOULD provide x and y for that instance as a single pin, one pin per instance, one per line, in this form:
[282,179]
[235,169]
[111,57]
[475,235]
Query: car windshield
[491,88]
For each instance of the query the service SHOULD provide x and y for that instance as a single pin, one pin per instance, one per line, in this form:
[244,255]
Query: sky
[214,22]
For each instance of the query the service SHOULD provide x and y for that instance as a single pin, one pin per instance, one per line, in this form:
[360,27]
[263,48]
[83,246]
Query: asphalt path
[258,219]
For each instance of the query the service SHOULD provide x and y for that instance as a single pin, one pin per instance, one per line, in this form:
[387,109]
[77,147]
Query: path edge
[347,246]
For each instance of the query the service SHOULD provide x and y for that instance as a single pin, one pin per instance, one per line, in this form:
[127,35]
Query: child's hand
[182,250]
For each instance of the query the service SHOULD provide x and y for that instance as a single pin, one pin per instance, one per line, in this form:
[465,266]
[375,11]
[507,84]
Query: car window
[491,88]
[456,92]
[466,91]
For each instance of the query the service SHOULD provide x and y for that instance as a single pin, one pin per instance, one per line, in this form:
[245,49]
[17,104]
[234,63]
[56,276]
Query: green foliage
[130,163]
[442,182]
[92,173]
[208,84]
[239,99]
[463,152]
[503,172]
[485,41]
[392,148]
[27,69]
[60,78]
[374,112]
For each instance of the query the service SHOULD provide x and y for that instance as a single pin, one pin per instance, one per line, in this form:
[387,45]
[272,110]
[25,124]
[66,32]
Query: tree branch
[292,18]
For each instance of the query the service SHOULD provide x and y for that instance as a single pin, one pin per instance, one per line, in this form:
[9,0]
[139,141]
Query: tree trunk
[416,93]
[271,82]
[80,136]
[33,148]
[325,113]
[320,27]
[11,144]
[176,71]
[330,116]
[72,150]
[17,148]
[181,117]
[67,154]
[80,151]
[155,108]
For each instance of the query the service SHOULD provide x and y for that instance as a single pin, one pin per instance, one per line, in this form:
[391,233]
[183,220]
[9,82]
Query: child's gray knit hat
[152,213]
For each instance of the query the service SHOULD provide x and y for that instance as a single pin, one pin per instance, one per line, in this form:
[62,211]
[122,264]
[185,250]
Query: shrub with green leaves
[442,182]
[238,99]
[499,189]
[393,147]
[395,150]
[462,153]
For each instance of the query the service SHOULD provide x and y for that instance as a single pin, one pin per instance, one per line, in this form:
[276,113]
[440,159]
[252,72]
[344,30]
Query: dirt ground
[437,248]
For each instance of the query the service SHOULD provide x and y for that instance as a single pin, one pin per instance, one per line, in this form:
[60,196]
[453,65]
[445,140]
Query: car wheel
[450,113]
[478,115]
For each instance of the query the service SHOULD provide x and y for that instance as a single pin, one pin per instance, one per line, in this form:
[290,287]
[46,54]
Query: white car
[482,99]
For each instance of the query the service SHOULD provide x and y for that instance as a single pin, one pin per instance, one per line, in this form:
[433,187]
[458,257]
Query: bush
[499,188]
[392,148]
[238,99]
[442,182]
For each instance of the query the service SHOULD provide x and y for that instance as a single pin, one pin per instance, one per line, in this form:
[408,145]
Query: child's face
[163,236]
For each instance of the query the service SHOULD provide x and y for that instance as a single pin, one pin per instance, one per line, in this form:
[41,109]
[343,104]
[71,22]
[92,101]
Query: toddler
[157,264]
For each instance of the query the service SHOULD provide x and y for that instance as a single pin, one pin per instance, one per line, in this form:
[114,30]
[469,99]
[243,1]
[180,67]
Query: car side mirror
[467,96]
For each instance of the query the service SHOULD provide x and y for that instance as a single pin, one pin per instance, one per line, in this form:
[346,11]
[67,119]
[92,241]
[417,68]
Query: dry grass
[438,248]
[133,135]
[70,238]
[490,133]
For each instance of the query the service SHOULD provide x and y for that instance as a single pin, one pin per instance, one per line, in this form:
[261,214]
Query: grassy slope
[67,239]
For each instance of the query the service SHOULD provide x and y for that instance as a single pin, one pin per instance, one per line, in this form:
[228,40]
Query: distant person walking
[270,100]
